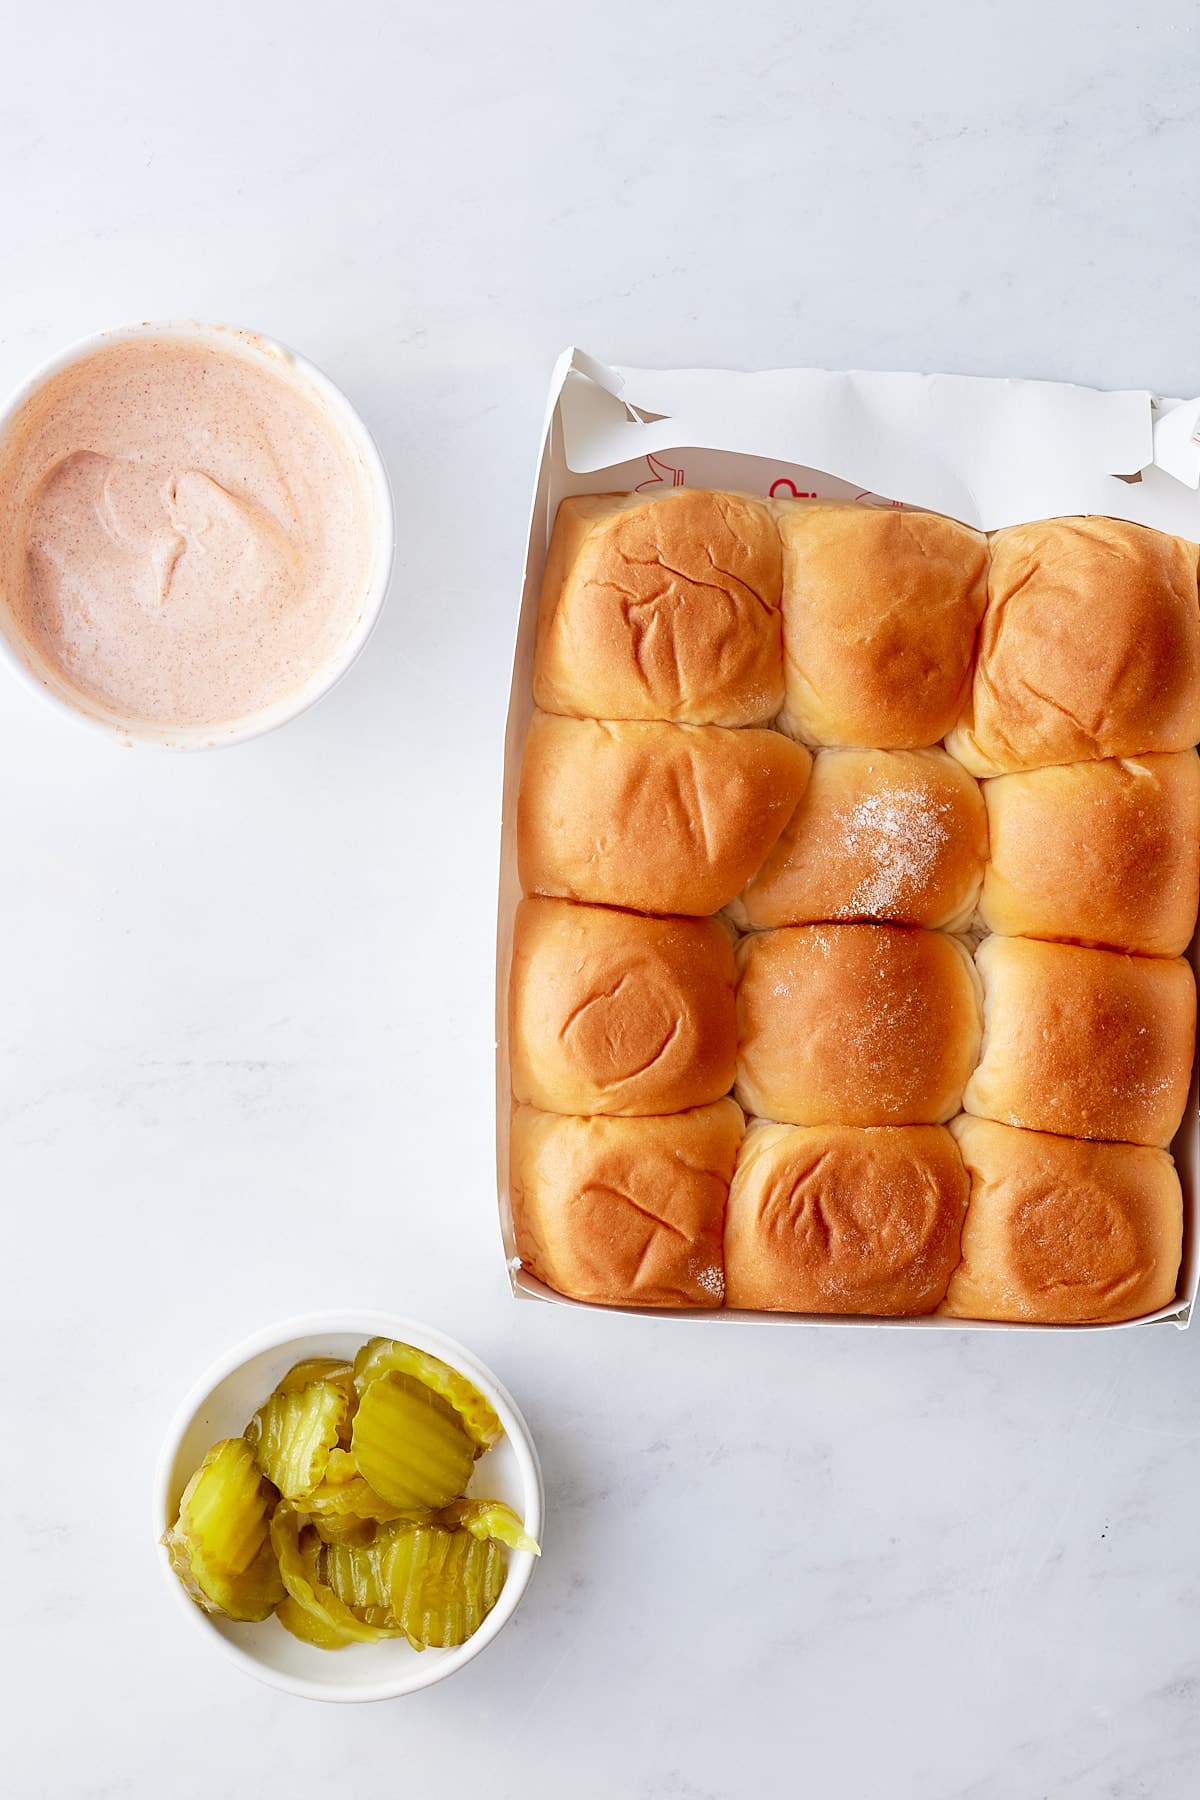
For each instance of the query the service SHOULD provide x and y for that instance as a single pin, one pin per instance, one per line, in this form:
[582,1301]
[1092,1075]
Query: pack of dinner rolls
[860,854]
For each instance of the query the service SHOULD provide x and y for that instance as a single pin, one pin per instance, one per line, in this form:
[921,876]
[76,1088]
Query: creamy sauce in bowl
[188,536]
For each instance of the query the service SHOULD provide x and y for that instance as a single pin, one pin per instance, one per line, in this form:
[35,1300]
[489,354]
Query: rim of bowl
[422,1337]
[261,346]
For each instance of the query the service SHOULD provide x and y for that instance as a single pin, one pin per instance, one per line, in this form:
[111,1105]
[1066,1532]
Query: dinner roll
[899,835]
[625,1212]
[1103,853]
[880,608]
[662,609]
[1090,647]
[1087,1043]
[836,1220]
[662,818]
[611,1012]
[1064,1233]
[855,1025]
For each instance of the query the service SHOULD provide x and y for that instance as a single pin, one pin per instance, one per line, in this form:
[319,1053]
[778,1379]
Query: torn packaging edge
[592,429]
[989,452]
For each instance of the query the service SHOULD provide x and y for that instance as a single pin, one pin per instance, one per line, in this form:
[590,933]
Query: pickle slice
[383,1356]
[219,1544]
[354,1499]
[249,1596]
[494,1573]
[331,1369]
[341,1468]
[444,1597]
[308,1628]
[342,1528]
[409,1445]
[379,1615]
[443,1584]
[359,1573]
[481,1580]
[415,1554]
[225,1505]
[489,1519]
[297,1554]
[293,1434]
[345,1495]
[320,1368]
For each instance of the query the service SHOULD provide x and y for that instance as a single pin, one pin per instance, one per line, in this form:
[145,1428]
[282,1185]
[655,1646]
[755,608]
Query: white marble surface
[247,1002]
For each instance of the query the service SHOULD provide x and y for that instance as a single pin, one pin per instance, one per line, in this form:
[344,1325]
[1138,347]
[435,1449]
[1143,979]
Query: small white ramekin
[221,1405]
[36,672]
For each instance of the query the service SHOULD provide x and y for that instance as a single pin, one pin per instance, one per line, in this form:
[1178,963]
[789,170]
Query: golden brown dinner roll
[833,1219]
[1104,853]
[880,609]
[662,609]
[625,1212]
[611,1012]
[899,835]
[855,1025]
[1064,1233]
[662,818]
[1087,1043]
[1090,647]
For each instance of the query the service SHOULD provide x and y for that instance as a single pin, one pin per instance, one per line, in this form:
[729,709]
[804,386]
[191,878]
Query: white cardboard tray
[987,452]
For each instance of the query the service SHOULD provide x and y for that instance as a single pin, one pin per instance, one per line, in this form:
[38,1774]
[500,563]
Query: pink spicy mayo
[185,532]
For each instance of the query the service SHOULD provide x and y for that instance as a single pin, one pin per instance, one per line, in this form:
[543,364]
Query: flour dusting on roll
[892,835]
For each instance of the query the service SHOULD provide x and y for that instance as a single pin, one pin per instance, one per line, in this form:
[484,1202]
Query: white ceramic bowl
[22,658]
[221,1404]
